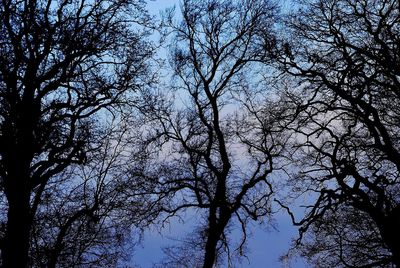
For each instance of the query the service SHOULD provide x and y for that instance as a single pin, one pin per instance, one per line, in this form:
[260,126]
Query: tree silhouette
[213,164]
[345,56]
[61,64]
[93,214]
[81,172]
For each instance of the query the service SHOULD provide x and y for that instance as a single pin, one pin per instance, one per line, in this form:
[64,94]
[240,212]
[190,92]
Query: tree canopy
[240,109]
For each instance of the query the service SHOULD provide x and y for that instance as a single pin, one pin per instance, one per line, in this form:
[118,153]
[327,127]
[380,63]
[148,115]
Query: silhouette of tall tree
[215,165]
[61,64]
[345,55]
[93,214]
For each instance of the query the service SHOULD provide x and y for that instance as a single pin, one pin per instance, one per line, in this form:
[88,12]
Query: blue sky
[265,246]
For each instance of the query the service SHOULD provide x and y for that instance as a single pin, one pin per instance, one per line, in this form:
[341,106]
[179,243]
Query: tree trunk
[16,243]
[393,242]
[213,236]
[215,231]
[391,235]
[210,250]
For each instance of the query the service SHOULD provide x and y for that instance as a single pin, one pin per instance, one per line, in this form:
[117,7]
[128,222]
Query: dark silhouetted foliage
[216,163]
[63,64]
[344,55]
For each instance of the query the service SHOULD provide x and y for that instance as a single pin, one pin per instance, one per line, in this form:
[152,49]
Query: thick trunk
[391,235]
[393,242]
[396,256]
[19,140]
[16,243]
[215,232]
[19,220]
[210,250]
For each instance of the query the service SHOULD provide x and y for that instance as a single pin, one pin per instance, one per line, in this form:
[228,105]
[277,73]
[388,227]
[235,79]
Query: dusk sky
[265,245]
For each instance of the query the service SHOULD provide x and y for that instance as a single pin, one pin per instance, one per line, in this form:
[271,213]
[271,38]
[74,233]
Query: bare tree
[91,215]
[216,163]
[345,237]
[345,56]
[61,63]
